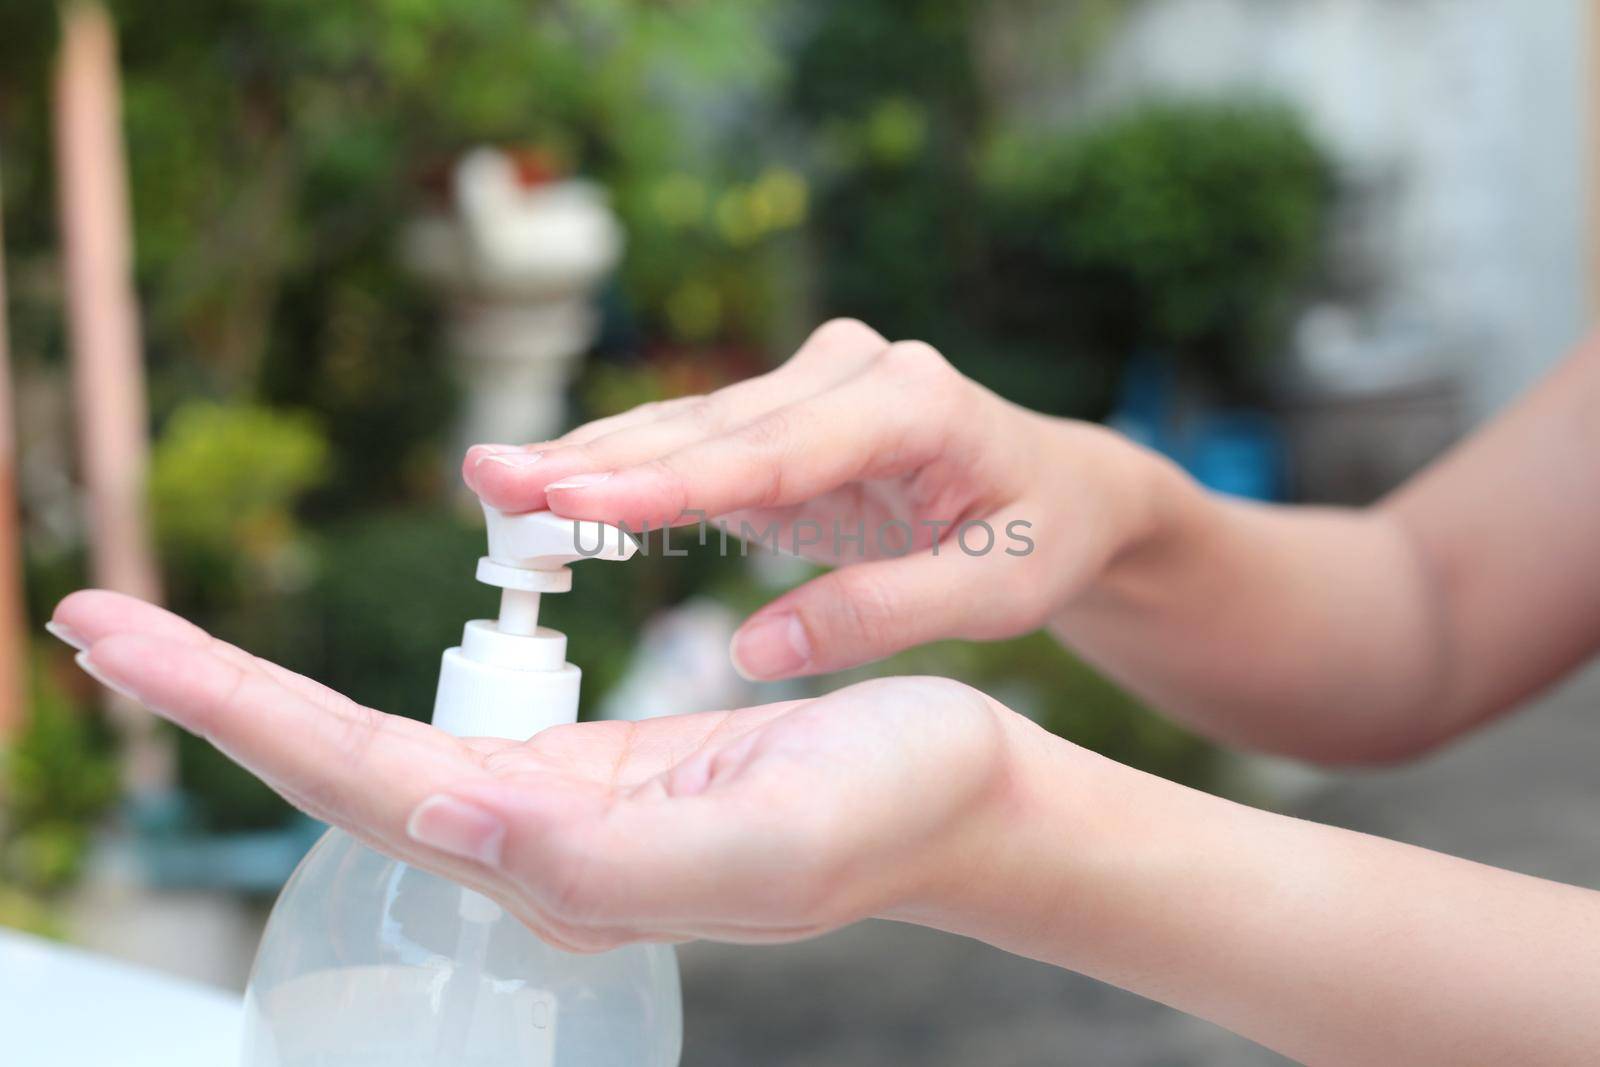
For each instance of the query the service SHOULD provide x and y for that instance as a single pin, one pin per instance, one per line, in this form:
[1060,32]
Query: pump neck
[509,677]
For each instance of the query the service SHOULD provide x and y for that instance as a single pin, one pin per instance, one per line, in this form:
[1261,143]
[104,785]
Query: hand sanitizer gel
[368,962]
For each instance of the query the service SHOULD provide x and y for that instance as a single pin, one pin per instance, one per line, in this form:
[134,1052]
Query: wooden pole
[13,614]
[107,369]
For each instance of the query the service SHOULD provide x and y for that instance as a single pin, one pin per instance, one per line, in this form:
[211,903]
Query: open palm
[767,823]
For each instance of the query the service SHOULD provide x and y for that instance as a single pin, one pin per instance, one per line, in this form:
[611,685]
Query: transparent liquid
[368,961]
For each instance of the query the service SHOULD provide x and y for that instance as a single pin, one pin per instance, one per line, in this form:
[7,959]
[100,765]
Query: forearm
[1305,631]
[1329,946]
[1362,635]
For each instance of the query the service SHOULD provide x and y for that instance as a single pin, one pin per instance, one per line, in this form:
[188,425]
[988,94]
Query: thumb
[867,611]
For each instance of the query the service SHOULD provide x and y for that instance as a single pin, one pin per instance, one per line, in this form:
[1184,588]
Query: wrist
[1015,848]
[1152,511]
[1085,863]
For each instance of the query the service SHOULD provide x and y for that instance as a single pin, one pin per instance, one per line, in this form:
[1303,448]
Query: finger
[371,774]
[834,354]
[477,454]
[90,615]
[895,416]
[515,480]
[864,612]
[84,617]
[651,411]
[351,765]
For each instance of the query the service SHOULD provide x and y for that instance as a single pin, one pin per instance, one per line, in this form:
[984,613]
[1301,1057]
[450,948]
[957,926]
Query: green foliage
[1186,227]
[224,480]
[709,251]
[277,147]
[392,592]
[58,778]
[890,95]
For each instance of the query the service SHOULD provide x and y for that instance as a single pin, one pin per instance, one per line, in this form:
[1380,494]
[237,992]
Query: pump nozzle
[528,554]
[544,541]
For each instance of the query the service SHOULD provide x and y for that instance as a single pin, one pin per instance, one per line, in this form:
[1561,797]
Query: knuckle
[670,483]
[653,409]
[843,335]
[228,704]
[767,441]
[771,431]
[1019,587]
[354,736]
[582,455]
[705,411]
[867,602]
[921,370]
[915,361]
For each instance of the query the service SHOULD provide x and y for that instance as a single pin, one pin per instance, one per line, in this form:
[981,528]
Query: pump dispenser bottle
[369,962]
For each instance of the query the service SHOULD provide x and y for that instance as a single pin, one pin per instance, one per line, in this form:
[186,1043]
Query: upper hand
[852,435]
[767,823]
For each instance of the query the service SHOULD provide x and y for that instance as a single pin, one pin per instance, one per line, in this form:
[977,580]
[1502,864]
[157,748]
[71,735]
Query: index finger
[892,417]
[339,761]
[515,479]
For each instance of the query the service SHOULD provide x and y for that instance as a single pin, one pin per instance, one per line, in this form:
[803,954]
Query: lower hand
[764,824]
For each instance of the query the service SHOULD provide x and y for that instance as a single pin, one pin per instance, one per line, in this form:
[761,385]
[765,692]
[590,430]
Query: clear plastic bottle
[370,962]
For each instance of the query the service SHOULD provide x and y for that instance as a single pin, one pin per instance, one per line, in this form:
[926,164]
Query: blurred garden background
[1299,247]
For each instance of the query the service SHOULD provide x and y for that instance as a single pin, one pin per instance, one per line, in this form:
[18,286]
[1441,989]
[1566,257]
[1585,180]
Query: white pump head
[509,678]
[528,554]
[544,541]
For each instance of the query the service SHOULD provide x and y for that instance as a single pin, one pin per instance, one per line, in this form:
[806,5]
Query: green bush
[1187,228]
[391,594]
[224,480]
[57,777]
[890,96]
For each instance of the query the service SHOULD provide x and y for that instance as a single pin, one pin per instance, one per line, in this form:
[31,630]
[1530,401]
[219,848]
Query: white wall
[1472,111]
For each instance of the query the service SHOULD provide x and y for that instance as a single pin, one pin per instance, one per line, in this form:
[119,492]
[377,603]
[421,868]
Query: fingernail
[63,632]
[119,688]
[478,453]
[475,457]
[578,481]
[773,647]
[517,461]
[458,828]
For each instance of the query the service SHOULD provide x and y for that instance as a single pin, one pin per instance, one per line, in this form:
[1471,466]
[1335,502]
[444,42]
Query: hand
[766,824]
[853,438]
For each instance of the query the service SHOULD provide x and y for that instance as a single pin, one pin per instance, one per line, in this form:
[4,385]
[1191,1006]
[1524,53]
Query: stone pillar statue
[519,257]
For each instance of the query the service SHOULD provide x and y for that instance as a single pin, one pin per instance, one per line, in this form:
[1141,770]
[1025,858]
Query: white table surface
[63,1007]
